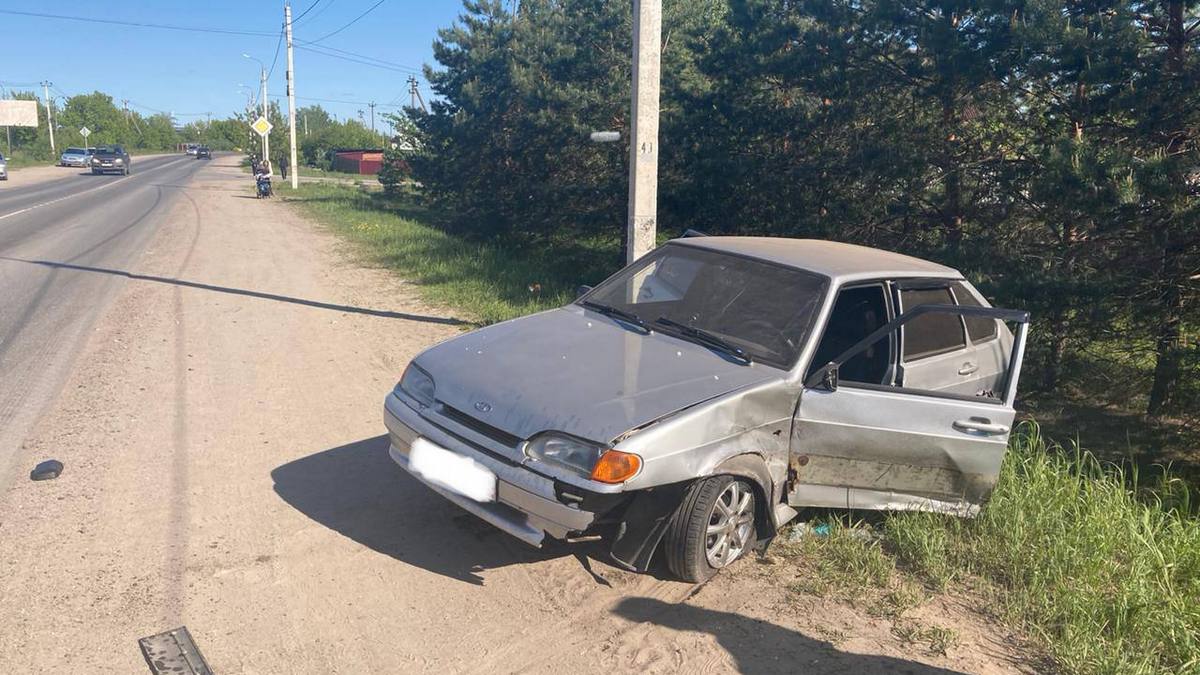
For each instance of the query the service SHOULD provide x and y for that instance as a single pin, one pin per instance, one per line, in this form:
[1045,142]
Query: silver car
[76,157]
[3,168]
[694,401]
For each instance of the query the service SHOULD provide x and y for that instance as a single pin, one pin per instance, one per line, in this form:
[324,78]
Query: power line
[334,100]
[352,22]
[136,24]
[374,60]
[310,8]
[319,12]
[276,58]
[365,62]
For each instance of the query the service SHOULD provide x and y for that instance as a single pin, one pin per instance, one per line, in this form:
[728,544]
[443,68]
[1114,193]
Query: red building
[366,161]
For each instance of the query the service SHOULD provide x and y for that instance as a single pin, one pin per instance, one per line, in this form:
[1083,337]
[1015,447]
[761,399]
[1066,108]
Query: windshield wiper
[706,338]
[607,310]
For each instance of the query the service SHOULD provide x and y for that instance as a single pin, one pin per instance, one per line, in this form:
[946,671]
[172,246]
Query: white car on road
[76,157]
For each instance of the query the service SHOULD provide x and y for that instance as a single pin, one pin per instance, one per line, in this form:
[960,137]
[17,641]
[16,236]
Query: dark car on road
[203,152]
[110,159]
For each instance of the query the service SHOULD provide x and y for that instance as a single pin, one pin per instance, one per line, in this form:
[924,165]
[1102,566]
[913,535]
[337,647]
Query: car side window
[980,329]
[857,312]
[934,333]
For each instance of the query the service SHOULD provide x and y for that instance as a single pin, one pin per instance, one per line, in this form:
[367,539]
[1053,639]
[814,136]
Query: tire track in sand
[176,563]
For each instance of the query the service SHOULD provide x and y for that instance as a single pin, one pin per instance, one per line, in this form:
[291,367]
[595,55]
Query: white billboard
[18,114]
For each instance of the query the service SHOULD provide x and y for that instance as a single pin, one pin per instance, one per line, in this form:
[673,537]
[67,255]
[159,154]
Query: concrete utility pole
[49,116]
[371,105]
[643,136]
[415,94]
[291,93]
[266,140]
[7,129]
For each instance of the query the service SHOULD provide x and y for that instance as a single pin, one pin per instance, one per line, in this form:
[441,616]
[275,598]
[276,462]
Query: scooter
[263,185]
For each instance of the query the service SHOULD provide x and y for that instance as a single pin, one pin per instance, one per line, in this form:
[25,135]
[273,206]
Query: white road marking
[70,196]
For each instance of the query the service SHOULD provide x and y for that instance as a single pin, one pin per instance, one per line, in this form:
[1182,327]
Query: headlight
[417,384]
[118,161]
[582,457]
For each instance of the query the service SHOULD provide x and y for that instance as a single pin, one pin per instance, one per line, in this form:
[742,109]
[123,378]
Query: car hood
[578,372]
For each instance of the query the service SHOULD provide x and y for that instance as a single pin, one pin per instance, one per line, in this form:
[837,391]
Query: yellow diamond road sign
[262,126]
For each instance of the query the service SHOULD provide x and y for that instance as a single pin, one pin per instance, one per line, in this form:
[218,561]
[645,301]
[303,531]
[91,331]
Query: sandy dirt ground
[226,470]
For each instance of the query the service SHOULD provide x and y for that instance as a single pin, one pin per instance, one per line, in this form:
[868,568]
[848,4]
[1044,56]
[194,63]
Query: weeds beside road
[1100,567]
[490,282]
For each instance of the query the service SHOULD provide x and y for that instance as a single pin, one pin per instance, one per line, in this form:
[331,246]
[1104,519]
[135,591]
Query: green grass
[314,172]
[19,161]
[1102,571]
[487,281]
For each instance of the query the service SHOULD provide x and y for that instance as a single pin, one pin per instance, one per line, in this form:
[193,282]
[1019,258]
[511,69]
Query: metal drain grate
[174,653]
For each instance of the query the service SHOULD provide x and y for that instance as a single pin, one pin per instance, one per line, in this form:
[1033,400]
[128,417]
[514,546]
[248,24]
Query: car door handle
[968,368]
[980,425]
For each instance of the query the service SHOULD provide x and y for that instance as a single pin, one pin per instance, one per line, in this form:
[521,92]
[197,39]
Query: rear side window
[934,333]
[979,328]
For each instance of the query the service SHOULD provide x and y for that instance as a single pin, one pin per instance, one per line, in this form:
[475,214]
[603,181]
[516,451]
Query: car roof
[839,261]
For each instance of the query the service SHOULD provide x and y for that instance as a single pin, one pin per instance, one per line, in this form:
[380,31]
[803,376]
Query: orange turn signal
[615,466]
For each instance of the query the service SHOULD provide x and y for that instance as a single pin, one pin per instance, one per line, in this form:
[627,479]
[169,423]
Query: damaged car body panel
[695,400]
[862,443]
[574,371]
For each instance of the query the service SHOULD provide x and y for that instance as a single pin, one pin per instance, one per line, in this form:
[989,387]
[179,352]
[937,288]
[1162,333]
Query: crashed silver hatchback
[695,400]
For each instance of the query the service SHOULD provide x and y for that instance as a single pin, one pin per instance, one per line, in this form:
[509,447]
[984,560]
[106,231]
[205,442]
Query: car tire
[690,544]
[95,172]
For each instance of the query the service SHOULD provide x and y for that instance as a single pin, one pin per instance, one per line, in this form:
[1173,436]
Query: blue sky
[189,72]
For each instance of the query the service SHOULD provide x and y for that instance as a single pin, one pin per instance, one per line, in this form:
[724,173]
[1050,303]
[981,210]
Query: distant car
[193,148]
[110,159]
[76,157]
[3,168]
[697,399]
[203,152]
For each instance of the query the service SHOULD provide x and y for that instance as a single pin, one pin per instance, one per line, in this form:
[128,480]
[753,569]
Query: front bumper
[526,504]
[75,162]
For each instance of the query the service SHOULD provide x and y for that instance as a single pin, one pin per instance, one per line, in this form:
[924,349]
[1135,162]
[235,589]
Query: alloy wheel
[729,525]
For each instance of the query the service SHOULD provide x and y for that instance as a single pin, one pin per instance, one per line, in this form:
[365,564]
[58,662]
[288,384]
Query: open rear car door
[885,445]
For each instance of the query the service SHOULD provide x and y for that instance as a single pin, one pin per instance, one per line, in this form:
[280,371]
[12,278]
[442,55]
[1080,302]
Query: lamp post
[266,140]
[249,111]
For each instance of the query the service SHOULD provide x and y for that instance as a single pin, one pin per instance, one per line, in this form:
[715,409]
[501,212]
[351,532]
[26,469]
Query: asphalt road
[47,231]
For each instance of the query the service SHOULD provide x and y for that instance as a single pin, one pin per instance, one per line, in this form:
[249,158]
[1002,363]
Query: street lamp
[266,141]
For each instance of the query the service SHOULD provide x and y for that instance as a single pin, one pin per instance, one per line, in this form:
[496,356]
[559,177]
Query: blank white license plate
[452,471]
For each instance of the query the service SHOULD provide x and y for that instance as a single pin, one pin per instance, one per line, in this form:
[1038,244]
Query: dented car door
[882,444]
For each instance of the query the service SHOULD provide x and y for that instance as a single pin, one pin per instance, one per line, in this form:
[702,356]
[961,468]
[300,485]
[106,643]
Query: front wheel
[713,527]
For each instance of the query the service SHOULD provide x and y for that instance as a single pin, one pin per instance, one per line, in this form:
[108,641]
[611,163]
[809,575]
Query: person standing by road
[283,167]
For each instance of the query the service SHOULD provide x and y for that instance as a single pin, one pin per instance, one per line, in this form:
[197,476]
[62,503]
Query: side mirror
[829,379]
[582,291]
